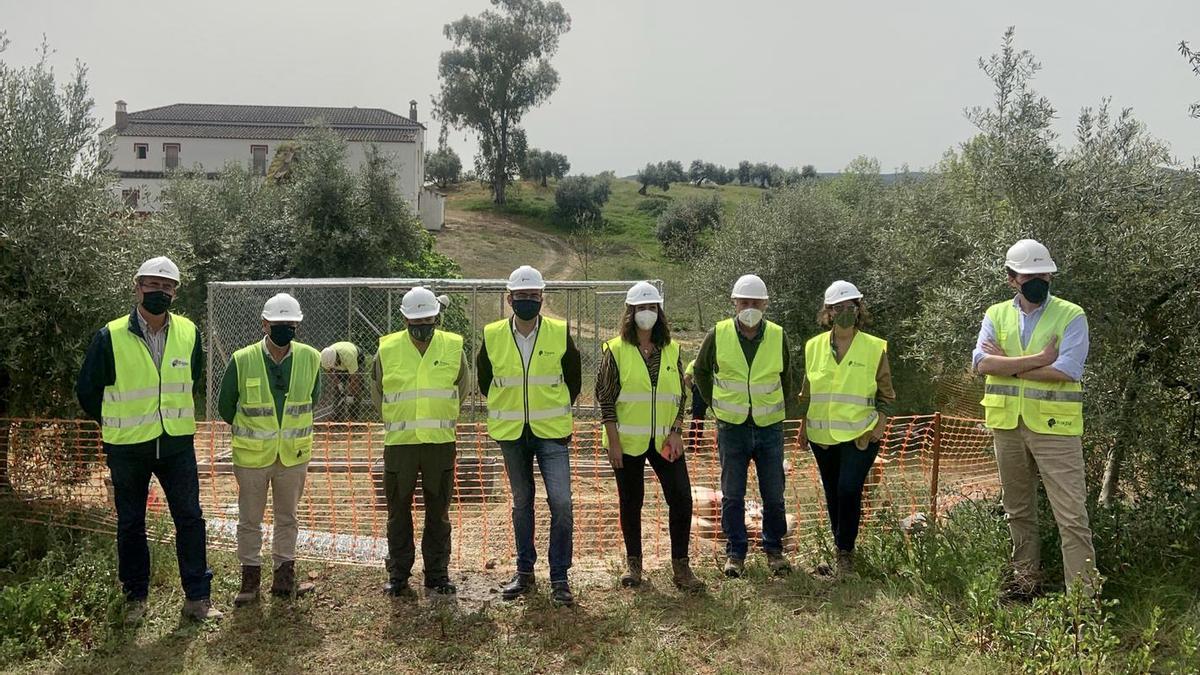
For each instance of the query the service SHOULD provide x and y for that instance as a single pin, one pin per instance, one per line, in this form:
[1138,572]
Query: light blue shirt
[1072,349]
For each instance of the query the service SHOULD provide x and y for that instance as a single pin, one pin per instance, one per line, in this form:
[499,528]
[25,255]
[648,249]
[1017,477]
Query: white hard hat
[525,278]
[749,286]
[643,293]
[328,357]
[159,267]
[444,300]
[1029,257]
[840,291]
[282,307]
[419,303]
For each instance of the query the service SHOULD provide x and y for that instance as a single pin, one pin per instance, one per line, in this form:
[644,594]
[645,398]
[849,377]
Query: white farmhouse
[147,145]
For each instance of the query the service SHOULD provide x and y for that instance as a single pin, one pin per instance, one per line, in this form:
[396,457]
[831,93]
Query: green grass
[921,604]
[628,247]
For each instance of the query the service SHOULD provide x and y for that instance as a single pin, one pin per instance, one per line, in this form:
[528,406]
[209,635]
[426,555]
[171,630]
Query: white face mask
[750,317]
[646,318]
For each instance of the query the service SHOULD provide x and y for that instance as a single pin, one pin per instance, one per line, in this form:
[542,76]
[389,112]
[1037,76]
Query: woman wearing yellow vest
[529,369]
[847,395]
[267,396]
[136,382]
[419,383]
[640,392]
[1032,349]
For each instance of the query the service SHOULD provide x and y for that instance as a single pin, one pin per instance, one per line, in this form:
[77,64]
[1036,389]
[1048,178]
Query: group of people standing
[139,371]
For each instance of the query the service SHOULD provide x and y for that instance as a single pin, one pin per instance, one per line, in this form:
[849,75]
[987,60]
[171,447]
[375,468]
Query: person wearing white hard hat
[137,381]
[529,370]
[743,370]
[640,392]
[267,397]
[344,364]
[419,384]
[1032,350]
[845,400]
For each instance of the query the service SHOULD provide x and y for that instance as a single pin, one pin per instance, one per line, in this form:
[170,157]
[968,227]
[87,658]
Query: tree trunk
[544,182]
[1110,487]
[500,169]
[642,190]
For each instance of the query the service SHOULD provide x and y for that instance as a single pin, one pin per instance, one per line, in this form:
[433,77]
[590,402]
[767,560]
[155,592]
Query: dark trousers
[434,462]
[176,473]
[737,446]
[677,490]
[844,470]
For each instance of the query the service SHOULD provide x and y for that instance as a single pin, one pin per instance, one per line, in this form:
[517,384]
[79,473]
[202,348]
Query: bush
[683,226]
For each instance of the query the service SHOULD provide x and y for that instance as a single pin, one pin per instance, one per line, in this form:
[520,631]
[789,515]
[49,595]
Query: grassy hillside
[628,248]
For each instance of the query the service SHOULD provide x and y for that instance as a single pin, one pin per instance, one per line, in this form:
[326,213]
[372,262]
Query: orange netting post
[936,450]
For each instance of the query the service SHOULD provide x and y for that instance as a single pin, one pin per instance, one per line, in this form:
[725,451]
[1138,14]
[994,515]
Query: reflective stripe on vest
[1045,407]
[537,396]
[842,402]
[645,412]
[742,390]
[420,397]
[259,438]
[143,402]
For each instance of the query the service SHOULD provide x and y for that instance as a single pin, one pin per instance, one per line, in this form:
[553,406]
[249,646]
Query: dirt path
[489,246]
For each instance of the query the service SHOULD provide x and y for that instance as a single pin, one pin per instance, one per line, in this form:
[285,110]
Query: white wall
[432,209]
[212,154]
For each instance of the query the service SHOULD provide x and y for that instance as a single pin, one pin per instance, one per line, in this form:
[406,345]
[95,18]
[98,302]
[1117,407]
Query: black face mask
[282,334]
[526,309]
[156,302]
[421,332]
[1035,290]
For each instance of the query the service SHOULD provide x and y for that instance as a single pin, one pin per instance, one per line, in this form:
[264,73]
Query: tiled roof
[266,122]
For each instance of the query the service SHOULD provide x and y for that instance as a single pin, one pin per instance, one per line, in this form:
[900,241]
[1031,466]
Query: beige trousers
[286,484]
[1022,455]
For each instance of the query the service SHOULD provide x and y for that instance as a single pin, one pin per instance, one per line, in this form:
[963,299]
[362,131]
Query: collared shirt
[705,367]
[279,380]
[156,342]
[525,342]
[1072,350]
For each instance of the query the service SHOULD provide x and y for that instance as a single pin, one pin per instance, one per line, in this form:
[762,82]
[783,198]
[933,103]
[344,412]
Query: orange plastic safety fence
[926,464]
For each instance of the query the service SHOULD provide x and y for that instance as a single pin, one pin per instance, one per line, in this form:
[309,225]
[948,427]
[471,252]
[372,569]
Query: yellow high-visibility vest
[741,390]
[644,411]
[145,402]
[420,397]
[1045,407]
[537,396]
[842,403]
[258,436]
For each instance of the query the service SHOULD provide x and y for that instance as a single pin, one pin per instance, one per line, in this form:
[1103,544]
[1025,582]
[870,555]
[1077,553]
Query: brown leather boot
[251,581]
[683,577]
[632,577]
[283,583]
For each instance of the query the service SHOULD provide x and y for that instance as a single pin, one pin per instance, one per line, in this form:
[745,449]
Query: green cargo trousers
[402,464]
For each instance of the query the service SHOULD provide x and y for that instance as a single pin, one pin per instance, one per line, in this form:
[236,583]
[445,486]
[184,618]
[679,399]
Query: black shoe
[560,594]
[397,588]
[440,586]
[519,585]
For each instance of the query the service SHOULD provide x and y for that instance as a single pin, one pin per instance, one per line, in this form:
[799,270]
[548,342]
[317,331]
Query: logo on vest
[179,363]
[856,364]
[1051,422]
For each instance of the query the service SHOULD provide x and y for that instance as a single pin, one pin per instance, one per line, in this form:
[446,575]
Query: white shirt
[525,342]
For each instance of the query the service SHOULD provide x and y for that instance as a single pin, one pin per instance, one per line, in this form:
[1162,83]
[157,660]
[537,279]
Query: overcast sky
[793,82]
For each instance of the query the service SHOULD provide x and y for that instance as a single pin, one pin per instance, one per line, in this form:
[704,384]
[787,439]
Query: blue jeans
[176,472]
[844,470]
[554,461]
[737,445]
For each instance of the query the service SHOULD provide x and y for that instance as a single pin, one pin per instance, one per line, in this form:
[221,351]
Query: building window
[171,150]
[130,197]
[258,159]
[141,150]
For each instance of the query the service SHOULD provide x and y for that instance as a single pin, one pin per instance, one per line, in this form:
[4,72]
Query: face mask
[750,317]
[421,332]
[156,302]
[645,319]
[526,309]
[1035,290]
[282,334]
[845,318]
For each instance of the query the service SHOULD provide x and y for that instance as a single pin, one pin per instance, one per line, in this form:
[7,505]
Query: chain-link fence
[360,311]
